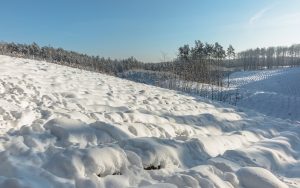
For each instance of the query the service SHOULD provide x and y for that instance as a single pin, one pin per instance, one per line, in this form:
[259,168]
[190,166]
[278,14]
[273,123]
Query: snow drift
[64,127]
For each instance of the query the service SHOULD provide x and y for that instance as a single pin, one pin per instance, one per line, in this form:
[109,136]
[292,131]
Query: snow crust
[63,127]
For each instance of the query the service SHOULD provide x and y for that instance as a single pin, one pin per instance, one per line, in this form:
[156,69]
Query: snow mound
[64,127]
[258,177]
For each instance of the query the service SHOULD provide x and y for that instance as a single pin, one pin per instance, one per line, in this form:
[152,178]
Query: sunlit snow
[64,127]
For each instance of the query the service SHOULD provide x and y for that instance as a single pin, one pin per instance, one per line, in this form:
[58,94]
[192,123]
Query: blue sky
[149,30]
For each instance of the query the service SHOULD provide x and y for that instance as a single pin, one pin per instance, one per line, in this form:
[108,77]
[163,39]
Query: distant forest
[195,66]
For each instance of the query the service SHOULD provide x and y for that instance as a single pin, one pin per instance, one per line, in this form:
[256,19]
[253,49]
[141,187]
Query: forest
[269,58]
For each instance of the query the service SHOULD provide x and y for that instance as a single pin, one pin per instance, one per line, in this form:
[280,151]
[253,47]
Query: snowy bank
[64,127]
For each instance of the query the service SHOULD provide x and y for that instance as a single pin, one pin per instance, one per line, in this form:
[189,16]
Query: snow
[64,127]
[258,177]
[274,93]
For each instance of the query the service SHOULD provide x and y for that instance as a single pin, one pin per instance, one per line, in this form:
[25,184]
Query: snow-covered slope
[274,93]
[63,127]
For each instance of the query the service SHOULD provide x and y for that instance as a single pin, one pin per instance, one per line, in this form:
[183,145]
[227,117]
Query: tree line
[269,58]
[69,58]
[198,63]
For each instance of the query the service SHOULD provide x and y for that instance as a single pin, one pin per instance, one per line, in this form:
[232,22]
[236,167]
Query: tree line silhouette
[69,58]
[269,58]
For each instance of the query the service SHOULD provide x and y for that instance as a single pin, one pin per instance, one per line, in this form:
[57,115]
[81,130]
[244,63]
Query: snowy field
[274,93]
[63,127]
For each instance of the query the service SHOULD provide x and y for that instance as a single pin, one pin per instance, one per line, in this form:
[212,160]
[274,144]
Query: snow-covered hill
[63,127]
[274,93]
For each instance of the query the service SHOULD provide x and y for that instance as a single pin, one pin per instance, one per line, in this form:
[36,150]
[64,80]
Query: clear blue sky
[147,29]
